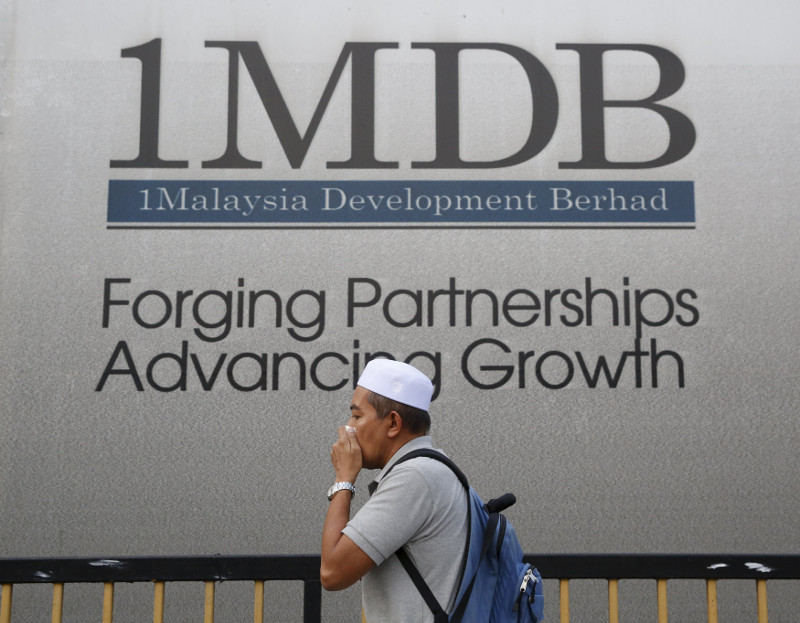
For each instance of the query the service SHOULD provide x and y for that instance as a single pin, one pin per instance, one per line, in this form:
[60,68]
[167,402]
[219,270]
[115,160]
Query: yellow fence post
[258,608]
[58,602]
[761,592]
[158,602]
[613,601]
[564,598]
[5,606]
[711,598]
[108,602]
[208,614]
[662,601]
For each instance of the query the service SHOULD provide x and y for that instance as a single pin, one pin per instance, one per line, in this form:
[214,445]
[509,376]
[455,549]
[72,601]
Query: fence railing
[663,567]
[210,570]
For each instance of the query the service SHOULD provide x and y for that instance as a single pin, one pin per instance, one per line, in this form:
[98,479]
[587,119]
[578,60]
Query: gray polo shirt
[420,505]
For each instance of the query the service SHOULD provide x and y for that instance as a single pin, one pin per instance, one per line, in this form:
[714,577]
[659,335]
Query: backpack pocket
[529,600]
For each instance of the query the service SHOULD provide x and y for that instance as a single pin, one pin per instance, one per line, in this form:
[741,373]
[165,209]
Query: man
[420,505]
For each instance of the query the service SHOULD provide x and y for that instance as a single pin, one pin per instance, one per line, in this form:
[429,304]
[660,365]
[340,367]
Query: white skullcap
[398,381]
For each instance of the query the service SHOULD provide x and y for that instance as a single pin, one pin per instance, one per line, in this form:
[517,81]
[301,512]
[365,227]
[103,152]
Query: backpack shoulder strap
[439,615]
[488,538]
[432,454]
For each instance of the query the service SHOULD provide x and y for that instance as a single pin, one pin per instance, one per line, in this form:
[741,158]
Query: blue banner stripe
[399,202]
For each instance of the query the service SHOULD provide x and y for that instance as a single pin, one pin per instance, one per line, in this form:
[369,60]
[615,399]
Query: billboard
[578,219]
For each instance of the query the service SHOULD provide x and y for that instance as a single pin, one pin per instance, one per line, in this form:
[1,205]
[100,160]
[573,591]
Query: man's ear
[395,424]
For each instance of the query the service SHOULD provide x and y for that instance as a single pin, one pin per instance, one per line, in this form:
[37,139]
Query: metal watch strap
[341,486]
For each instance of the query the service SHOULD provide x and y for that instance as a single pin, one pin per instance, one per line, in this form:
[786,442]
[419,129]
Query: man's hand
[342,562]
[346,455]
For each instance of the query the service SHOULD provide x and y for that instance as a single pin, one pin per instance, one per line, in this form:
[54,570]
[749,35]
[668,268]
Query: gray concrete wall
[709,466]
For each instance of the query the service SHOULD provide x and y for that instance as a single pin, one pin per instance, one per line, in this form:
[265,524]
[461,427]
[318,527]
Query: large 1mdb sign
[445,57]
[579,219]
[413,202]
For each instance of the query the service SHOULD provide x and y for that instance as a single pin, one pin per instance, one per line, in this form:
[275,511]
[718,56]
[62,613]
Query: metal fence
[662,568]
[563,568]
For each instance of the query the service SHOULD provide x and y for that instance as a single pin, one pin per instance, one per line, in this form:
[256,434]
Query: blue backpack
[496,586]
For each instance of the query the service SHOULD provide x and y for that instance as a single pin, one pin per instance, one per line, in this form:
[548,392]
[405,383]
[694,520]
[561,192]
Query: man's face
[370,430]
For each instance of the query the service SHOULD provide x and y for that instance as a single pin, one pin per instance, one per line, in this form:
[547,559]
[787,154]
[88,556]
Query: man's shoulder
[425,476]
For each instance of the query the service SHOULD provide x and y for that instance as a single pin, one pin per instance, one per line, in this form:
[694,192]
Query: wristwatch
[340,486]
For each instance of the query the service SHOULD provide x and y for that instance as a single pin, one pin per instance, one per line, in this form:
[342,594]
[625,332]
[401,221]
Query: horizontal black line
[306,567]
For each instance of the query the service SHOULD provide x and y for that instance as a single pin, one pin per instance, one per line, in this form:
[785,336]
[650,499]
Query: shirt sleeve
[394,515]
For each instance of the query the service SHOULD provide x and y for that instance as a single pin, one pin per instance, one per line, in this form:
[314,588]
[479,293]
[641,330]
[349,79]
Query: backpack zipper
[524,587]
